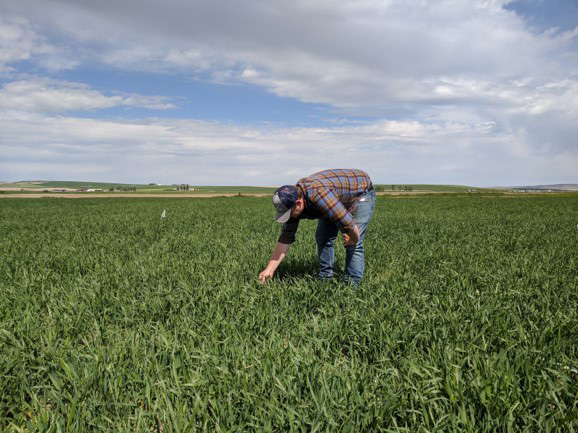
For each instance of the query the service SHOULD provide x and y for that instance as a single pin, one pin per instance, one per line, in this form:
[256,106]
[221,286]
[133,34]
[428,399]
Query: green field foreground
[115,320]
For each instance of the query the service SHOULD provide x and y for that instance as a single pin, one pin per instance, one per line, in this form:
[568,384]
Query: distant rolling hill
[554,187]
[40,185]
[430,188]
[64,184]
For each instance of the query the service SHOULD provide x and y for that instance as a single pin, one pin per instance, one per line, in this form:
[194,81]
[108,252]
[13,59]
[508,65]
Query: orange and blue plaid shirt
[329,194]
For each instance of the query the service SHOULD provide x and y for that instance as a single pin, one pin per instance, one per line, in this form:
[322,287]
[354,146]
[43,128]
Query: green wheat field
[113,319]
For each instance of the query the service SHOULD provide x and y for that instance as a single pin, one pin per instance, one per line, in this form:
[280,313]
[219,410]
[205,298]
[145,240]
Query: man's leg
[354,255]
[325,236]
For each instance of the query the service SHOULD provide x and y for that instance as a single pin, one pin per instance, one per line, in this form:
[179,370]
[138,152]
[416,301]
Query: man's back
[339,180]
[346,184]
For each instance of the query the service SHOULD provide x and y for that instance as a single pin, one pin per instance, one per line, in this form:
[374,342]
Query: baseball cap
[284,199]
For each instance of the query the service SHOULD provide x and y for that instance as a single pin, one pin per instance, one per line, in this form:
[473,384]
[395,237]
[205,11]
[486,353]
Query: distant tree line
[122,188]
[401,188]
[406,188]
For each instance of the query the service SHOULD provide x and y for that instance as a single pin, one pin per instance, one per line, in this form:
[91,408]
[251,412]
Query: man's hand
[265,276]
[278,255]
[347,241]
[351,239]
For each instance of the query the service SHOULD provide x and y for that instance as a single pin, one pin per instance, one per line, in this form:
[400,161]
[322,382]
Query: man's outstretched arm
[278,255]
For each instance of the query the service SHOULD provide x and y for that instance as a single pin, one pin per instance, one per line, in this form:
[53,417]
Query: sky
[264,92]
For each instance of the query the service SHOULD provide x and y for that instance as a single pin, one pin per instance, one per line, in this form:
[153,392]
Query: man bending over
[342,200]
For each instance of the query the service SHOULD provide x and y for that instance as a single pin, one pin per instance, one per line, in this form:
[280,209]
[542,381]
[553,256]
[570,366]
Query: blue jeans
[354,257]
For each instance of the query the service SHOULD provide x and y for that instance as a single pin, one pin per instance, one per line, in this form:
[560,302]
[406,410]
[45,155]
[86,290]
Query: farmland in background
[434,188]
[39,186]
[113,319]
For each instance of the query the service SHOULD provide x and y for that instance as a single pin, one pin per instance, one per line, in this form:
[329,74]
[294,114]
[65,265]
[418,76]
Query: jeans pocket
[365,207]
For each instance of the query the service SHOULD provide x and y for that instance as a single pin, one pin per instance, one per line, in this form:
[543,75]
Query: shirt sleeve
[288,231]
[330,205]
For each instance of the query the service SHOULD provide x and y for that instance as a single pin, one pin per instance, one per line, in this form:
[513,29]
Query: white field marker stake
[164,214]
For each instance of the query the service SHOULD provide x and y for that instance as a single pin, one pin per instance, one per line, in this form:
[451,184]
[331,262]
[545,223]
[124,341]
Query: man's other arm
[330,204]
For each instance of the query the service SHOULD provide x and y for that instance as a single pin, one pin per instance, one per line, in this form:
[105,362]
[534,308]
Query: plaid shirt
[329,194]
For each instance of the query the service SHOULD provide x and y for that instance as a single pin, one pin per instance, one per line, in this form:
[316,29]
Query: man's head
[288,203]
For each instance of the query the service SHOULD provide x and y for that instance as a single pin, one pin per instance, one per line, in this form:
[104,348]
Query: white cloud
[17,41]
[40,146]
[346,54]
[49,96]
[465,89]
[20,41]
